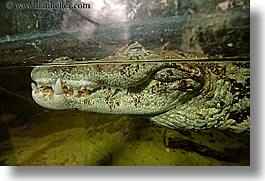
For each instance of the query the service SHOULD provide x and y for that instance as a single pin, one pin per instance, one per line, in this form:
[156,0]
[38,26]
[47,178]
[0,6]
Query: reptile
[177,95]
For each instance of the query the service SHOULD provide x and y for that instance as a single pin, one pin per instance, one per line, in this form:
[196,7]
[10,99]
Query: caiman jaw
[56,95]
[59,89]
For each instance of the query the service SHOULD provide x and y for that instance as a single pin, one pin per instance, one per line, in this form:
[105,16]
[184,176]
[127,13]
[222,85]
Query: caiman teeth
[75,92]
[34,88]
[113,90]
[58,87]
[124,91]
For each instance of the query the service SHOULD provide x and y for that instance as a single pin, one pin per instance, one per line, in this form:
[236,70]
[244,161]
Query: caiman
[177,95]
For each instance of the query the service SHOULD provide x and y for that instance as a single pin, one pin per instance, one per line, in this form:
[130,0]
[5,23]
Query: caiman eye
[168,75]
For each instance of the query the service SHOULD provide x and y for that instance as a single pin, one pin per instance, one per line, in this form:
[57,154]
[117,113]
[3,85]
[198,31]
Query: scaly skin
[175,95]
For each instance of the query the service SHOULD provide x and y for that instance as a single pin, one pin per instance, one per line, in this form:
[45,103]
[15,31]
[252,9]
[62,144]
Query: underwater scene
[125,83]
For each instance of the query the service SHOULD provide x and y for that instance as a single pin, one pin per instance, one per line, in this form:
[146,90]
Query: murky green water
[32,135]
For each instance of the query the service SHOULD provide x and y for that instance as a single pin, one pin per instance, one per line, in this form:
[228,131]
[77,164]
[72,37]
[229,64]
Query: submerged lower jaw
[102,99]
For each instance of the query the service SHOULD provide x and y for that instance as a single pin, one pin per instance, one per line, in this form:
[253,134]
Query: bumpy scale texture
[176,95]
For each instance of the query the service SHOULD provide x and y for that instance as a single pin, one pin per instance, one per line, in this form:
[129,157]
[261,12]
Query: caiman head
[175,95]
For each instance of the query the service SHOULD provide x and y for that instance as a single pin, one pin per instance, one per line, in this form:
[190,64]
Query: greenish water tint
[32,135]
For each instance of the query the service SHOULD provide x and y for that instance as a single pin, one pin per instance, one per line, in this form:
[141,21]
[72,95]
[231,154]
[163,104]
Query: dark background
[32,36]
